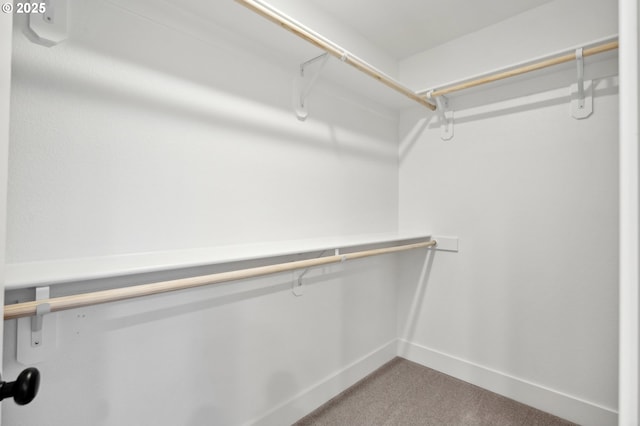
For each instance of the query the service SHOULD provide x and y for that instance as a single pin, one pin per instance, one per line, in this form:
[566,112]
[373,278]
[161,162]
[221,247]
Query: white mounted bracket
[297,287]
[445,117]
[581,92]
[36,323]
[47,22]
[303,83]
[36,331]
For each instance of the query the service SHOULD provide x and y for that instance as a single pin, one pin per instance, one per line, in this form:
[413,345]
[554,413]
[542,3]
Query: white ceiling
[405,27]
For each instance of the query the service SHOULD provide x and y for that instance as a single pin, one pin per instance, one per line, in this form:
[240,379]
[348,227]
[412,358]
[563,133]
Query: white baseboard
[562,405]
[319,393]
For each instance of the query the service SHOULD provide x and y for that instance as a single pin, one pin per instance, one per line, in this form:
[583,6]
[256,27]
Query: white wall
[528,307]
[140,134]
[551,27]
[153,128]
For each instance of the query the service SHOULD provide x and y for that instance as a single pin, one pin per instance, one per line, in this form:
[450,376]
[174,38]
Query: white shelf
[32,274]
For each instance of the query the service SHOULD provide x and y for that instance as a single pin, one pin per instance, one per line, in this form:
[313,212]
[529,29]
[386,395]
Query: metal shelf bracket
[304,82]
[581,92]
[36,320]
[35,332]
[445,117]
[297,287]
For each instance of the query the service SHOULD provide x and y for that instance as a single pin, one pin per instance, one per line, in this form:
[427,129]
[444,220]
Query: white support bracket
[42,293]
[47,22]
[36,331]
[297,287]
[581,92]
[303,83]
[445,117]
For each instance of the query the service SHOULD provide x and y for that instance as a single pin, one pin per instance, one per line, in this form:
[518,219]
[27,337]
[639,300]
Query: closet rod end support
[445,243]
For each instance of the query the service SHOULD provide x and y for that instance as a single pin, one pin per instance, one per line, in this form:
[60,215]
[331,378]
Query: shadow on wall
[199,105]
[407,142]
[182,303]
[207,415]
[480,107]
[116,316]
[491,102]
[165,71]
[417,300]
[282,383]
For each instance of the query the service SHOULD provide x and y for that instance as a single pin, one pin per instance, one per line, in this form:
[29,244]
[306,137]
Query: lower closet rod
[63,303]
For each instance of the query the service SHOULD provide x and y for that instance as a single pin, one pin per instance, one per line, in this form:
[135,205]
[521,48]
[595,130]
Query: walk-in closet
[278,212]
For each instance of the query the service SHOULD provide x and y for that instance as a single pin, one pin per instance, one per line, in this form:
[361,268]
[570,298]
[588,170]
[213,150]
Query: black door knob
[24,389]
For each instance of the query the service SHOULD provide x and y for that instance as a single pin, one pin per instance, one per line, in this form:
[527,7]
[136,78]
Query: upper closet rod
[56,304]
[330,47]
[512,72]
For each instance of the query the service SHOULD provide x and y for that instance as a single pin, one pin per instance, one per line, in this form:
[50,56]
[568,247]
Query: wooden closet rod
[63,303]
[333,49]
[604,47]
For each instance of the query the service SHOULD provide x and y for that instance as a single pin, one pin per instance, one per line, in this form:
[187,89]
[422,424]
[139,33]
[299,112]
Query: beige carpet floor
[405,393]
